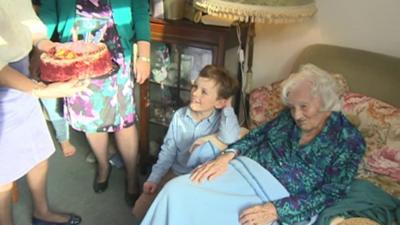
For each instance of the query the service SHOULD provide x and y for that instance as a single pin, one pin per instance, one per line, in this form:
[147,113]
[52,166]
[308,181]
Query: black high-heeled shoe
[130,198]
[99,187]
[73,220]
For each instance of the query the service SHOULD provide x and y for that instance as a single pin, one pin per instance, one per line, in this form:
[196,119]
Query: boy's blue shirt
[183,131]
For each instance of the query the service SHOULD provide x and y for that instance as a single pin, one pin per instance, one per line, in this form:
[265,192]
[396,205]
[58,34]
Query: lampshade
[264,11]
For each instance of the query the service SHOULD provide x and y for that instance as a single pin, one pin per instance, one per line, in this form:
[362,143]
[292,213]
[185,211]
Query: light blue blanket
[219,201]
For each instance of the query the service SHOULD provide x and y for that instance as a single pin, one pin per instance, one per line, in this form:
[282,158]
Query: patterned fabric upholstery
[379,123]
[265,104]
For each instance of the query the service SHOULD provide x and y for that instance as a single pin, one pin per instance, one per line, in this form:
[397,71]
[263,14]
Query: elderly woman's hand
[259,215]
[212,169]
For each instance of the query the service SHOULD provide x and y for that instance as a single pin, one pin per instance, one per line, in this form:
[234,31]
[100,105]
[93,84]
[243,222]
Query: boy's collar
[189,114]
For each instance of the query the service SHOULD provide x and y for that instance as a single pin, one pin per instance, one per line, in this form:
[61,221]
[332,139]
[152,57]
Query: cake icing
[75,60]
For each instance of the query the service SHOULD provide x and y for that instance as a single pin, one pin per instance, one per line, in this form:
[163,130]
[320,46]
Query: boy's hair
[227,85]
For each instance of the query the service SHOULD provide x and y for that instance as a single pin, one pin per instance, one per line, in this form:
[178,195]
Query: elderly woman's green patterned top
[317,174]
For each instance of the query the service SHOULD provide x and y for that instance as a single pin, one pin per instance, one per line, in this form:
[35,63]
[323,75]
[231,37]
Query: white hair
[323,85]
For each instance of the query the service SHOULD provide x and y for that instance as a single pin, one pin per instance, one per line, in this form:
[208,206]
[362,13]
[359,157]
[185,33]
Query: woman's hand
[61,89]
[142,70]
[41,46]
[45,45]
[141,67]
[212,169]
[149,187]
[259,215]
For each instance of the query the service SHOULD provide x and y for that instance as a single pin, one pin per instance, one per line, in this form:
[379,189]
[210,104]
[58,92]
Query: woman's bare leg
[127,142]
[5,204]
[67,148]
[99,142]
[37,181]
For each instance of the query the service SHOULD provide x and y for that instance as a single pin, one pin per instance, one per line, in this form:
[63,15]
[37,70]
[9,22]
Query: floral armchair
[378,121]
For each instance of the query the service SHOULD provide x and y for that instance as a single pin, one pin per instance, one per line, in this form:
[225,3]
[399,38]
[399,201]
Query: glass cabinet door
[174,67]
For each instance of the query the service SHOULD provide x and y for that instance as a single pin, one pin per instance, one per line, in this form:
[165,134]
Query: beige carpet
[70,190]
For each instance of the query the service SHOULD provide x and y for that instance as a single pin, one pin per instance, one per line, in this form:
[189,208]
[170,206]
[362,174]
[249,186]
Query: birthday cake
[75,60]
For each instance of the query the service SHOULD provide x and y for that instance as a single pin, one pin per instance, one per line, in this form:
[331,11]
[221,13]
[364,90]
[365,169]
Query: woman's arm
[11,78]
[141,20]
[141,26]
[48,15]
[338,176]
[215,140]
[142,62]
[249,143]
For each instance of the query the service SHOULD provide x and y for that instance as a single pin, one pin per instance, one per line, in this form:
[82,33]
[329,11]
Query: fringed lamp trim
[256,13]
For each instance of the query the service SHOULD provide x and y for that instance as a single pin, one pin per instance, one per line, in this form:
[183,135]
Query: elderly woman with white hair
[309,155]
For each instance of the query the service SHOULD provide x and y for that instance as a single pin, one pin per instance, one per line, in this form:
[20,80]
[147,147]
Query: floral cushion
[265,102]
[379,123]
[385,161]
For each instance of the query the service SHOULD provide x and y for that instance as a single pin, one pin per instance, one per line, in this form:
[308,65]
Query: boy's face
[204,95]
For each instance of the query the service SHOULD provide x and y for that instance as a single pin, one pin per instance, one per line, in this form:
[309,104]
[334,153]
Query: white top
[19,29]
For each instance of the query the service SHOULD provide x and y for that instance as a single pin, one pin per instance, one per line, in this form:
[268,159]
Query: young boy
[209,112]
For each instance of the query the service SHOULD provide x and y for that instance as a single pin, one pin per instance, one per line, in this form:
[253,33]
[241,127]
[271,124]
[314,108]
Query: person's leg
[143,203]
[5,204]
[112,146]
[127,143]
[67,148]
[37,181]
[53,109]
[111,150]
[62,134]
[99,142]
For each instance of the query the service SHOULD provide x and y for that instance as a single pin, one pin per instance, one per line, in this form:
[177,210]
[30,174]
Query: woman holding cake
[21,115]
[108,106]
[52,106]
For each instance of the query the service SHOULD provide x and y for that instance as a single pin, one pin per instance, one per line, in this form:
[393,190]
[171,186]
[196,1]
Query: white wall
[372,25]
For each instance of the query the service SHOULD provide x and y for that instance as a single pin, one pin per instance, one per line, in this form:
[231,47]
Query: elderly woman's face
[305,108]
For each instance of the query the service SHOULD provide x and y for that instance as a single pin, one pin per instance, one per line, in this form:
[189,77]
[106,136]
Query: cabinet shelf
[156,122]
[170,85]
